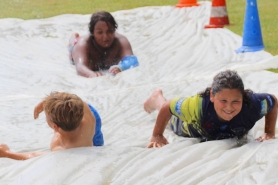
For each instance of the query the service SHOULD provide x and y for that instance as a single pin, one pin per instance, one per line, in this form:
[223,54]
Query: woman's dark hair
[101,16]
[227,80]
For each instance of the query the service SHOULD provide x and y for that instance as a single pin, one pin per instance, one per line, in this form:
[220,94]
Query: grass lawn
[36,9]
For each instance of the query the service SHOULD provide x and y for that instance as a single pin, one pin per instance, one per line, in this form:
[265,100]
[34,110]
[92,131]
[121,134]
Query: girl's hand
[157,142]
[266,136]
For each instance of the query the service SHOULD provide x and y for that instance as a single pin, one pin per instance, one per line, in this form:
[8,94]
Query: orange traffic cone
[219,15]
[185,3]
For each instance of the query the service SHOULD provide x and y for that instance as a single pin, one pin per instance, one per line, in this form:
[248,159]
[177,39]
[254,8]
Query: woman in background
[103,49]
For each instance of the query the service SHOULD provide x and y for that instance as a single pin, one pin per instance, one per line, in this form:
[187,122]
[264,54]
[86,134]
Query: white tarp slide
[176,54]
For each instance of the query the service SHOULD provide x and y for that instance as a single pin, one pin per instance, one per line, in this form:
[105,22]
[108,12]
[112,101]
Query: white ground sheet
[176,54]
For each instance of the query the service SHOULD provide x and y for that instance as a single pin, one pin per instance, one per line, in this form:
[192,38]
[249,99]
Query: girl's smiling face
[227,103]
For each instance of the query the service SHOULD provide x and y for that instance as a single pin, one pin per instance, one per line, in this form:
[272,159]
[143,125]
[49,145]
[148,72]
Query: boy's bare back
[75,124]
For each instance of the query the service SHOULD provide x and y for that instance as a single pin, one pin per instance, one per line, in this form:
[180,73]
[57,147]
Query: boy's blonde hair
[64,109]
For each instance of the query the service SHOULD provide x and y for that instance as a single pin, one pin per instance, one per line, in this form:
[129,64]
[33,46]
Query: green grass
[36,9]
[273,70]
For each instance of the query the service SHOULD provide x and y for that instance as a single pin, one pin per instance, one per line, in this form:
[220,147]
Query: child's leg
[155,101]
[72,42]
[72,39]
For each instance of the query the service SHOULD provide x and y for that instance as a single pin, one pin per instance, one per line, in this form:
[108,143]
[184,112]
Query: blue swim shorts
[176,126]
[98,137]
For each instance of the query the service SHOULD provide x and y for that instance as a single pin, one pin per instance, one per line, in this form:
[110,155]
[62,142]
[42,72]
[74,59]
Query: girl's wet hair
[227,80]
[102,16]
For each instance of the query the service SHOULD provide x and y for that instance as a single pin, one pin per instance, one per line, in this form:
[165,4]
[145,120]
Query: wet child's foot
[152,103]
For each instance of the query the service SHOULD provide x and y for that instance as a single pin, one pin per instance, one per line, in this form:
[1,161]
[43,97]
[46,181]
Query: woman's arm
[125,44]
[80,58]
[128,60]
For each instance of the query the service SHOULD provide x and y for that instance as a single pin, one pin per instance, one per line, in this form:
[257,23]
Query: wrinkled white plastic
[176,54]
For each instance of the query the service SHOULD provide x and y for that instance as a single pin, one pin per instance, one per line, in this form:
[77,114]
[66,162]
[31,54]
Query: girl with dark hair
[224,110]
[103,49]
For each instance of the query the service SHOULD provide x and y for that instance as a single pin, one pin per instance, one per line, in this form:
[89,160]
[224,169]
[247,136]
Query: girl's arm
[164,115]
[270,123]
